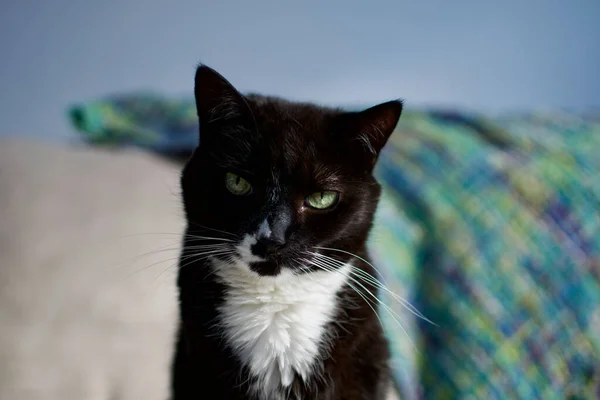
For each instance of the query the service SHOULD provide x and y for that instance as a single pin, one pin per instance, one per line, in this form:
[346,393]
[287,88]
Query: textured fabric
[143,120]
[492,230]
[490,227]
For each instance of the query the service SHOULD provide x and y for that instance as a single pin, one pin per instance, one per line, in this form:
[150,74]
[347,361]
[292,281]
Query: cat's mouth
[264,260]
[266,268]
[271,258]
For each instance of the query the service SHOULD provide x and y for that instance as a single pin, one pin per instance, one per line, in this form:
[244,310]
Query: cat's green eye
[236,184]
[323,200]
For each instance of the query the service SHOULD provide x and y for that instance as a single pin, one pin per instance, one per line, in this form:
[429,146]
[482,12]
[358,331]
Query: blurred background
[489,224]
[491,56]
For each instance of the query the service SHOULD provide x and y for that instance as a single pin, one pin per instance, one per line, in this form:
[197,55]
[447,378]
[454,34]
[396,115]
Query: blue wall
[494,56]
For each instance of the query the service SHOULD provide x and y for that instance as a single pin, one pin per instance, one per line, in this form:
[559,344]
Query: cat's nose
[272,232]
[280,221]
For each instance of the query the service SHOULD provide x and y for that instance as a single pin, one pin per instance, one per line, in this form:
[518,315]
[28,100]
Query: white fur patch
[276,325]
[245,250]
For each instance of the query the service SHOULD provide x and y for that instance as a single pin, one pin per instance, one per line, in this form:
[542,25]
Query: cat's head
[279,180]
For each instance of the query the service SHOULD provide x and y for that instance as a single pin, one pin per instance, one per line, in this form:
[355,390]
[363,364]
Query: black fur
[287,151]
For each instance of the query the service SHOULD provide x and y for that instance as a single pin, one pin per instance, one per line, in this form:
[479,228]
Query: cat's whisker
[191,236]
[336,263]
[170,267]
[178,234]
[405,303]
[334,267]
[178,244]
[151,265]
[195,257]
[213,229]
[177,259]
[201,255]
[353,255]
[331,269]
[370,303]
[133,259]
[374,281]
[206,246]
[168,248]
[181,257]
[297,263]
[392,313]
[230,259]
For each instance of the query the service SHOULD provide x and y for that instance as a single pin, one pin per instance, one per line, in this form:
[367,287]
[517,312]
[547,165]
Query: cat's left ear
[373,126]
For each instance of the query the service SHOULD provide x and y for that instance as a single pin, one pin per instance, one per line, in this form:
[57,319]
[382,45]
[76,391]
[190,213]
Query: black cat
[279,199]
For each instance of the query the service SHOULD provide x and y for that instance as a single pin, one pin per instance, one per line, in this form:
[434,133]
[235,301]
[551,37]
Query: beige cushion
[76,320]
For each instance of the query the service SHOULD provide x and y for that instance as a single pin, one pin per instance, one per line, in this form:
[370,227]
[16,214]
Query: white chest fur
[276,325]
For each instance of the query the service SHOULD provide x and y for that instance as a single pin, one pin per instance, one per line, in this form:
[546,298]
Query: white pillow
[76,321]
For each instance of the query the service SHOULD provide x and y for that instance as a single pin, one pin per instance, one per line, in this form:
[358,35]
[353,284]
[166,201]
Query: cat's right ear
[217,101]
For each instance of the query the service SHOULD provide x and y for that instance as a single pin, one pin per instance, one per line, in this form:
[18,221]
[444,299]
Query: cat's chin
[266,268]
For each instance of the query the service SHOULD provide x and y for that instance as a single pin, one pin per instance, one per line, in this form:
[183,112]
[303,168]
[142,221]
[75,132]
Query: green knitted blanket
[491,228]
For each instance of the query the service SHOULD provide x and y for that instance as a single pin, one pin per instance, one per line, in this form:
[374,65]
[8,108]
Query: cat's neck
[273,337]
[278,326]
